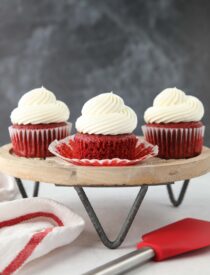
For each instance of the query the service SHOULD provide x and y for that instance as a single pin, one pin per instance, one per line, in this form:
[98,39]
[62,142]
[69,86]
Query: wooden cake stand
[151,172]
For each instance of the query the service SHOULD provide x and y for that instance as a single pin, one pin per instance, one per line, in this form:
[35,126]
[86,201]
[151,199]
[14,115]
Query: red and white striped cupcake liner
[175,143]
[144,150]
[35,142]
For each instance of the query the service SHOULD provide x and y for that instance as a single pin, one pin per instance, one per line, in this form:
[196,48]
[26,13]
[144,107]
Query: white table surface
[112,205]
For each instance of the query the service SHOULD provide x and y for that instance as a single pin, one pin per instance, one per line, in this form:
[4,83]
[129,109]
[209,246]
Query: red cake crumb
[39,126]
[176,125]
[64,150]
[87,146]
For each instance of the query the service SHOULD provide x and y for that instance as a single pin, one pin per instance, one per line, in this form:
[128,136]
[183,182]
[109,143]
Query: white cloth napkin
[8,188]
[30,228]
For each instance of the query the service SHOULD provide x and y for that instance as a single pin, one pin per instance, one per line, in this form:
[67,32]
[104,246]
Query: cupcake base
[104,146]
[176,140]
[32,141]
[63,149]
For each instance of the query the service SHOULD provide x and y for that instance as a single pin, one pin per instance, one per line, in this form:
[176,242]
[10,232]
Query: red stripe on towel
[35,240]
[29,217]
[26,252]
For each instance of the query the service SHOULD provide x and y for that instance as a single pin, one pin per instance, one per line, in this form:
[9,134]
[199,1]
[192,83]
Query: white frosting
[173,105]
[106,114]
[39,106]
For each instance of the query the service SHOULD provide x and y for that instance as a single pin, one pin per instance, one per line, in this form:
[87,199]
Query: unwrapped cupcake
[174,124]
[105,129]
[37,121]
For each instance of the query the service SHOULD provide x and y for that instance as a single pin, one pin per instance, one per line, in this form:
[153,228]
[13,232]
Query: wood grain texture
[152,171]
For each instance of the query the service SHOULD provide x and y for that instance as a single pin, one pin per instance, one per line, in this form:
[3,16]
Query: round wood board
[152,171]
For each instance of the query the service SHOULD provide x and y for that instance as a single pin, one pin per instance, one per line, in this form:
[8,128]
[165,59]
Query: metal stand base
[177,202]
[23,191]
[96,223]
[131,215]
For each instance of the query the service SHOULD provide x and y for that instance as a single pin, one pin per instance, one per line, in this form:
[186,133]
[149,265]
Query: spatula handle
[124,263]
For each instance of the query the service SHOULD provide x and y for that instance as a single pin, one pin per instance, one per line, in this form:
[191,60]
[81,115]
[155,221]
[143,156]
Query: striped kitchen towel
[31,228]
[8,188]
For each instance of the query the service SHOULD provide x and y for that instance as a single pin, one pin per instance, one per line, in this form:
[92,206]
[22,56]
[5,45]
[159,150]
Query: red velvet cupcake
[173,123]
[105,129]
[37,121]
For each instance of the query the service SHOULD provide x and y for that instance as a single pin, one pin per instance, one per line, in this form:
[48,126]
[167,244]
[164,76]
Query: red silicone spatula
[174,239]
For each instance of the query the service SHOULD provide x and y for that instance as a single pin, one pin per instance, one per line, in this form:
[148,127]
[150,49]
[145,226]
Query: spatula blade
[177,238]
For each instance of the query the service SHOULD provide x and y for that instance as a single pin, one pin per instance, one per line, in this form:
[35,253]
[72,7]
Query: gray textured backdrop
[78,49]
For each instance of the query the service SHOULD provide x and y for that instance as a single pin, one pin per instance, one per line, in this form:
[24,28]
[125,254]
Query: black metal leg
[36,189]
[177,202]
[21,188]
[126,226]
[23,191]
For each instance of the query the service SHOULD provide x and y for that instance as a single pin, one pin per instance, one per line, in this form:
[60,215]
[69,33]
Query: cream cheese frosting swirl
[39,106]
[106,114]
[173,105]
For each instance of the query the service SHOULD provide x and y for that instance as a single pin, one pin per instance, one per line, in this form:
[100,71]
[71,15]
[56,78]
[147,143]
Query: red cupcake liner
[175,143]
[34,143]
[63,150]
